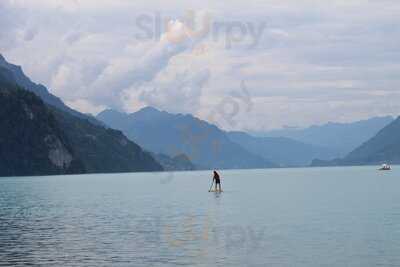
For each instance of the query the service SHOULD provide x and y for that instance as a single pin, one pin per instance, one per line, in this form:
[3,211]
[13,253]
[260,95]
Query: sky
[250,65]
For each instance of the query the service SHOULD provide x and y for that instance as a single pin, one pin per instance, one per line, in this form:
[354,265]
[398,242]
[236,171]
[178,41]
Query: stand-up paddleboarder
[217,181]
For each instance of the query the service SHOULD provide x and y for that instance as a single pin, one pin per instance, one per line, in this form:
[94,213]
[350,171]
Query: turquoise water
[281,217]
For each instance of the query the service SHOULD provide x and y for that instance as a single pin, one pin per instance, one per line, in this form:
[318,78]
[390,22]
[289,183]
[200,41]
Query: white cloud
[185,89]
[317,61]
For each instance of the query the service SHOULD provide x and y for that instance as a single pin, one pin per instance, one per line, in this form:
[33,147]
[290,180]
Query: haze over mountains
[384,147]
[284,151]
[210,147]
[339,137]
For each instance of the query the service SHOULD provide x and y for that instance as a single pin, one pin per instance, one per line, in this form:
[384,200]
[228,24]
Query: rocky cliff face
[58,153]
[31,141]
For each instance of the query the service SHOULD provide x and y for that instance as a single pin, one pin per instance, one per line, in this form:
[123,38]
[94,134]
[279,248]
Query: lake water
[280,217]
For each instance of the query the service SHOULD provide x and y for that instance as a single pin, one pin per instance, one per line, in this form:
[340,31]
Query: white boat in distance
[385,167]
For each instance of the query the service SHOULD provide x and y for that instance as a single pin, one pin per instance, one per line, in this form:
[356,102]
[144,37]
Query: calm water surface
[282,217]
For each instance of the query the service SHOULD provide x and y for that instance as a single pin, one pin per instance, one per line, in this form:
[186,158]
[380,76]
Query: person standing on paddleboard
[217,181]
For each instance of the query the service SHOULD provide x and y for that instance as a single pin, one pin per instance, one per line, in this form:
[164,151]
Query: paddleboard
[216,191]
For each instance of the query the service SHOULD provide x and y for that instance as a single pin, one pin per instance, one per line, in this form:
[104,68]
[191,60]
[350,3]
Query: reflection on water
[293,217]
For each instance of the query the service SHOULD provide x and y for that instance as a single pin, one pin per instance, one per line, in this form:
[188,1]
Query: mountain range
[284,151]
[384,147]
[205,144]
[339,137]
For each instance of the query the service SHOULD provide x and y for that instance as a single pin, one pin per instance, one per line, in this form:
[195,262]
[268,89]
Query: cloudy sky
[248,64]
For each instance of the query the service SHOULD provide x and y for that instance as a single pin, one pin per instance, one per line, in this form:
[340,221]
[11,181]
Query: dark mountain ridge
[40,139]
[31,141]
[16,74]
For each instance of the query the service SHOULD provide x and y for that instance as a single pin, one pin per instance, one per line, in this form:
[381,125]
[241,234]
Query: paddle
[211,185]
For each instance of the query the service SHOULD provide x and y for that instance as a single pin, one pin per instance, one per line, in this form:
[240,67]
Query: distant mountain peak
[145,110]
[149,113]
[149,109]
[154,111]
[2,58]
